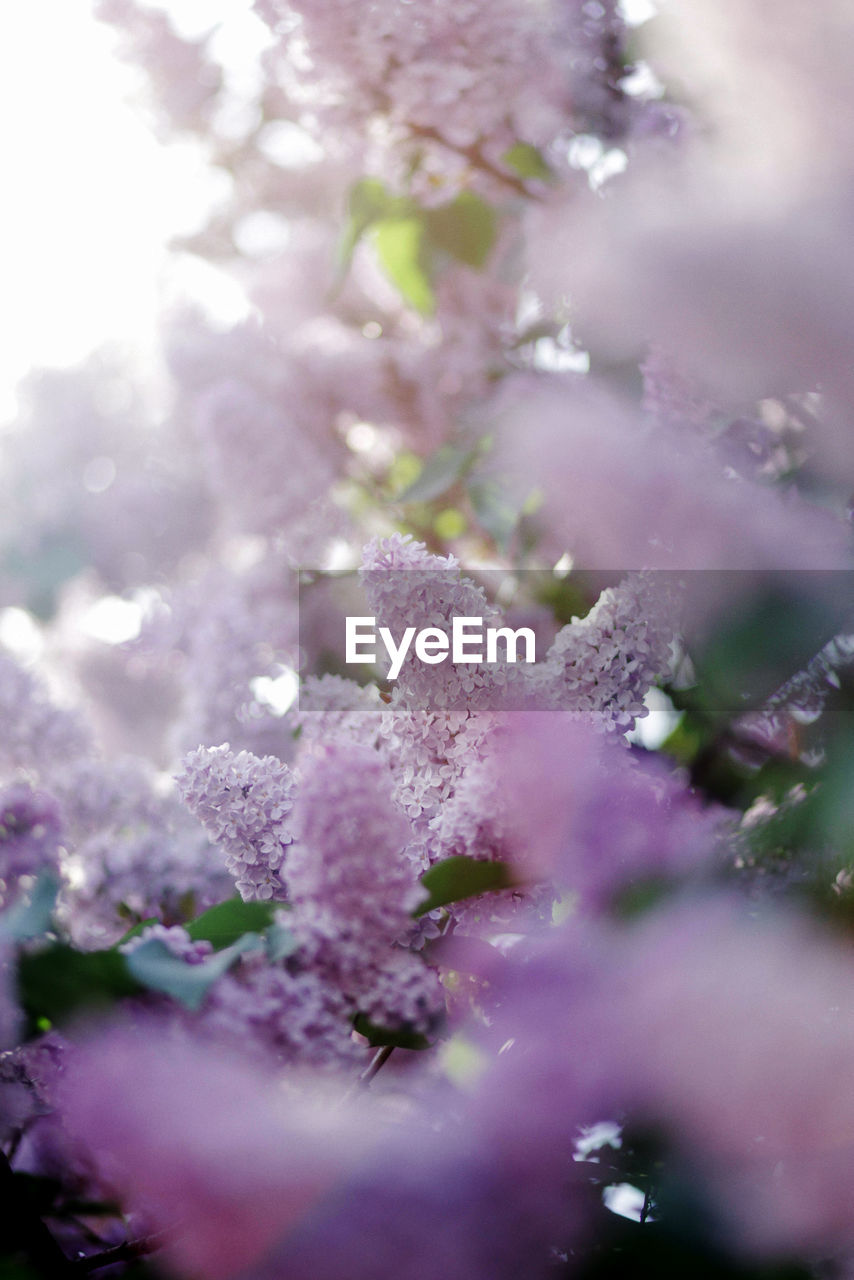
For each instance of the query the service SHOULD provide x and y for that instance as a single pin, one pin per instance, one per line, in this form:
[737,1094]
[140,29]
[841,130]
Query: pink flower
[206,1147]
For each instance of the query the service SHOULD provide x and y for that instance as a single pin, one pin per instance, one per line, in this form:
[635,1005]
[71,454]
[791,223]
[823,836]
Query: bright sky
[89,197]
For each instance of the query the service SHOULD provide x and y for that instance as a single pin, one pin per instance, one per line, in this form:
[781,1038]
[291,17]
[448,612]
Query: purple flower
[30,832]
[566,804]
[206,1146]
[346,871]
[244,804]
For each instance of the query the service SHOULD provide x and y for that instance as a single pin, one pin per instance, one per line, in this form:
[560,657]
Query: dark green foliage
[223,924]
[461,877]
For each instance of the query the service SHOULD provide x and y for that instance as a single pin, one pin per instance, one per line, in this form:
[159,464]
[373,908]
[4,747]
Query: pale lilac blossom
[244,803]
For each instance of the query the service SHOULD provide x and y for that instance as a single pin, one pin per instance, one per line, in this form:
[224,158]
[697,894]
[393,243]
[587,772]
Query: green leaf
[450,523]
[636,899]
[383,1037]
[461,877]
[441,470]
[401,249]
[31,918]
[58,982]
[403,471]
[569,597]
[154,965]
[528,162]
[228,921]
[466,229]
[766,639]
[686,740]
[11,1269]
[494,512]
[187,905]
[369,201]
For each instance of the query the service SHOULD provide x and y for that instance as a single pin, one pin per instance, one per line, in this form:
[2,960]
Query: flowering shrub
[467,969]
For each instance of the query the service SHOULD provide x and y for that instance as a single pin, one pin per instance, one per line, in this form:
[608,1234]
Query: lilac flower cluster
[431,725]
[30,830]
[345,867]
[458,86]
[334,979]
[244,804]
[354,890]
[276,1013]
[453,70]
[130,851]
[610,822]
[334,708]
[606,662]
[176,941]
[290,1014]
[601,665]
[38,733]
[224,632]
[184,80]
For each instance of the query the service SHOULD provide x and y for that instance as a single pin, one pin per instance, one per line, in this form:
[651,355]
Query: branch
[128,1251]
[476,159]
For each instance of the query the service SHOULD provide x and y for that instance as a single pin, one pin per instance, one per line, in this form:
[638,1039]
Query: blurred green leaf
[187,905]
[369,201]
[383,1037]
[643,895]
[10,1269]
[466,229]
[59,982]
[403,471]
[450,523]
[569,596]
[825,818]
[528,162]
[439,472]
[685,740]
[401,249]
[684,1239]
[154,965]
[228,921]
[495,514]
[765,641]
[461,877]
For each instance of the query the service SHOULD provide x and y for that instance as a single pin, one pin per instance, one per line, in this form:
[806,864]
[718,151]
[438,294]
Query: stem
[376,1064]
[476,159]
[472,153]
[647,1205]
[126,1252]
